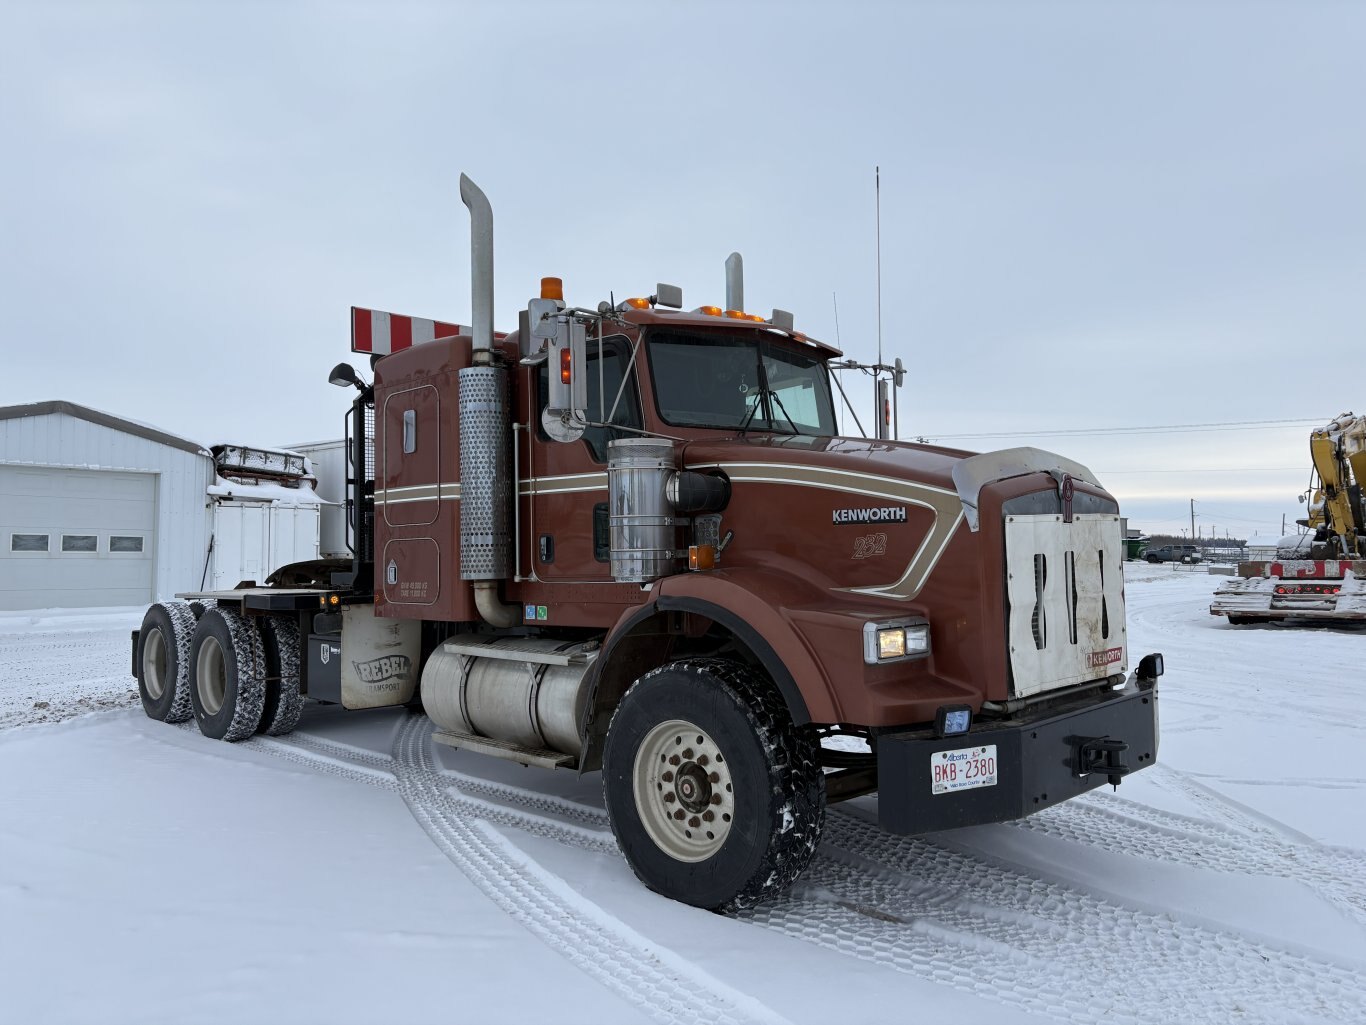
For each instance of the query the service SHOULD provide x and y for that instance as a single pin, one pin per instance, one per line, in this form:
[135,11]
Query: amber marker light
[566,366]
[638,304]
[735,314]
[710,311]
[701,557]
[552,288]
[756,318]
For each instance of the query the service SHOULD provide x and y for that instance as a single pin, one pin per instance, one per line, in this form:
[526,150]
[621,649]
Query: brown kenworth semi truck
[629,538]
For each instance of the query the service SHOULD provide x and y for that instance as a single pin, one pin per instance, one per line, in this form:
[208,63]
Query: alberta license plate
[963,769]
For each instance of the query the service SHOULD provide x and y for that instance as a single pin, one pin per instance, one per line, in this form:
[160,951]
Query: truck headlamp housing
[895,641]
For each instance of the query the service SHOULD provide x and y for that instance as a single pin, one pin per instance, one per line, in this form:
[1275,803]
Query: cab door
[565,487]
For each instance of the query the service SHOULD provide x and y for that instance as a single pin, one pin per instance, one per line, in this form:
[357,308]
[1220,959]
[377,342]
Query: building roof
[103,419]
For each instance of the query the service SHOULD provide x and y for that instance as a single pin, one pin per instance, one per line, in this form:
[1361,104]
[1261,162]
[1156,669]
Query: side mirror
[542,313]
[669,295]
[566,415]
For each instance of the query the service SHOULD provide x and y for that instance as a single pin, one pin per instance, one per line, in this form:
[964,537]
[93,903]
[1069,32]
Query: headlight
[892,642]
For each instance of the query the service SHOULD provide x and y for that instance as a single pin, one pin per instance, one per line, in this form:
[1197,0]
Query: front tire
[716,798]
[227,659]
[164,661]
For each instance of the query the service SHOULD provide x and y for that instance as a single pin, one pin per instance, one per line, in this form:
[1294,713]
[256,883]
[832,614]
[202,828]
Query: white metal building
[97,510]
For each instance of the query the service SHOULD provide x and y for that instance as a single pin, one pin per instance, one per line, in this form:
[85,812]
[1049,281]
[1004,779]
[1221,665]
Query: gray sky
[1094,215]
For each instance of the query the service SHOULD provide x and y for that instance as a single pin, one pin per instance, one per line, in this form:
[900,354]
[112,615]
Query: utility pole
[1282,524]
[1192,519]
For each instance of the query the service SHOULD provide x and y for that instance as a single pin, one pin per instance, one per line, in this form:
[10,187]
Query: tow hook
[1099,754]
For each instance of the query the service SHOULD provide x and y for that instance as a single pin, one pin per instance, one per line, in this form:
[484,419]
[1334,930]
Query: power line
[1226,425]
[1213,469]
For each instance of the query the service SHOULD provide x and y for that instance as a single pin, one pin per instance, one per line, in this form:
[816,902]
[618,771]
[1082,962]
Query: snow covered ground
[354,872]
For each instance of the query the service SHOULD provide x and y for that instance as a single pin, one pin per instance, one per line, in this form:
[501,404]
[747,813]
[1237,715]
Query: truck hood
[949,480]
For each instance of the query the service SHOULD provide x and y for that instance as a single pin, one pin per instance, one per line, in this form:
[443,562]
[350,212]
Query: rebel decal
[387,667]
[877,514]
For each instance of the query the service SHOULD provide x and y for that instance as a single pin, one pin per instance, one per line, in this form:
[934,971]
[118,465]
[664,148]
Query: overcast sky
[1094,215]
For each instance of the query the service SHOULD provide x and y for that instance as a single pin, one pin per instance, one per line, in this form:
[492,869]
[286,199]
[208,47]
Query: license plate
[963,769]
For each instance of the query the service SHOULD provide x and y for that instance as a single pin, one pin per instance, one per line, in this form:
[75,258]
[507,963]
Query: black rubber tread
[284,702]
[245,675]
[176,624]
[776,769]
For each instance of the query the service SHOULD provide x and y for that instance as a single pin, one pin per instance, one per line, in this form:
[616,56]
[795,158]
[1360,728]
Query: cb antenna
[877,194]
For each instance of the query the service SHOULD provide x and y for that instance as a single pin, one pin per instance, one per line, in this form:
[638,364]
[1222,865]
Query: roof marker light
[638,304]
[710,311]
[735,314]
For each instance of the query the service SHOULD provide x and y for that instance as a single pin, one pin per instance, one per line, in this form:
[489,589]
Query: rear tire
[228,664]
[715,797]
[284,702]
[164,661]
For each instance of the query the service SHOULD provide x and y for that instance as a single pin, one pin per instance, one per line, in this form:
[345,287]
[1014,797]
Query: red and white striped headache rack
[379,334]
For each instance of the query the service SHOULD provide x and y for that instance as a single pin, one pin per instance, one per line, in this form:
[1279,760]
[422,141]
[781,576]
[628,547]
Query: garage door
[75,538]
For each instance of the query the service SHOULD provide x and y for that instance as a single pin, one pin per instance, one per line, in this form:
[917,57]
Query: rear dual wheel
[228,663]
[284,702]
[164,662]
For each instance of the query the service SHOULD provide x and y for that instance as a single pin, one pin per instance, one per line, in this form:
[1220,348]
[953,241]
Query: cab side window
[604,382]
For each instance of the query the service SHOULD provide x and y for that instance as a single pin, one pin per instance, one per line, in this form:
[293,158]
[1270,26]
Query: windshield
[746,382]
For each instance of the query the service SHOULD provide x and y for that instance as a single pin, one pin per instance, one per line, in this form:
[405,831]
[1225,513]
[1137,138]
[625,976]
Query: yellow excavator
[1335,503]
[1319,575]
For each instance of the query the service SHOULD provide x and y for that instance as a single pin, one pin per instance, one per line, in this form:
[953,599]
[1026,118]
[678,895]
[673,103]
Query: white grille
[1065,587]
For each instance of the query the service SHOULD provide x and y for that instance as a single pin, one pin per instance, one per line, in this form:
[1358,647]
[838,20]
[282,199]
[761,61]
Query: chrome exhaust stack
[481,267]
[485,433]
[735,282]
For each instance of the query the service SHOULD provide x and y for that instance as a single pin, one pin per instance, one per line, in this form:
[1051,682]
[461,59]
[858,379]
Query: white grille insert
[1065,587]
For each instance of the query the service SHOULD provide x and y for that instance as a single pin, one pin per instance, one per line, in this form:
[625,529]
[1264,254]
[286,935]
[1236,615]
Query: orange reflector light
[566,365]
[735,314]
[334,600]
[552,288]
[757,318]
[710,311]
[701,557]
[639,304]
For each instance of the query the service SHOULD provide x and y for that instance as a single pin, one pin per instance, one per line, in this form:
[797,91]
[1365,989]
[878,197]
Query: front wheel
[716,798]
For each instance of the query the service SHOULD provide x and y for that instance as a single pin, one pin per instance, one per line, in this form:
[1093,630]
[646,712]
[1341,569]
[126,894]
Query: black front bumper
[1041,759]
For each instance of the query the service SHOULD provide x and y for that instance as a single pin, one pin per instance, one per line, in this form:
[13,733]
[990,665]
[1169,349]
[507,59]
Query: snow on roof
[98,416]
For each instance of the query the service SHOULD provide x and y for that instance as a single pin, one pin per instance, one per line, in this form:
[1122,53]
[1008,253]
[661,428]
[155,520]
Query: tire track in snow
[923,907]
[1337,874]
[920,906]
[603,948]
[664,986]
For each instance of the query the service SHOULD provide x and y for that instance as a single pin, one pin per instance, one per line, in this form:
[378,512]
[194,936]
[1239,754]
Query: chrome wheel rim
[683,791]
[211,675]
[154,664]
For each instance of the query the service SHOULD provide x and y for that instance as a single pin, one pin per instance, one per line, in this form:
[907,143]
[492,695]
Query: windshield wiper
[774,396]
